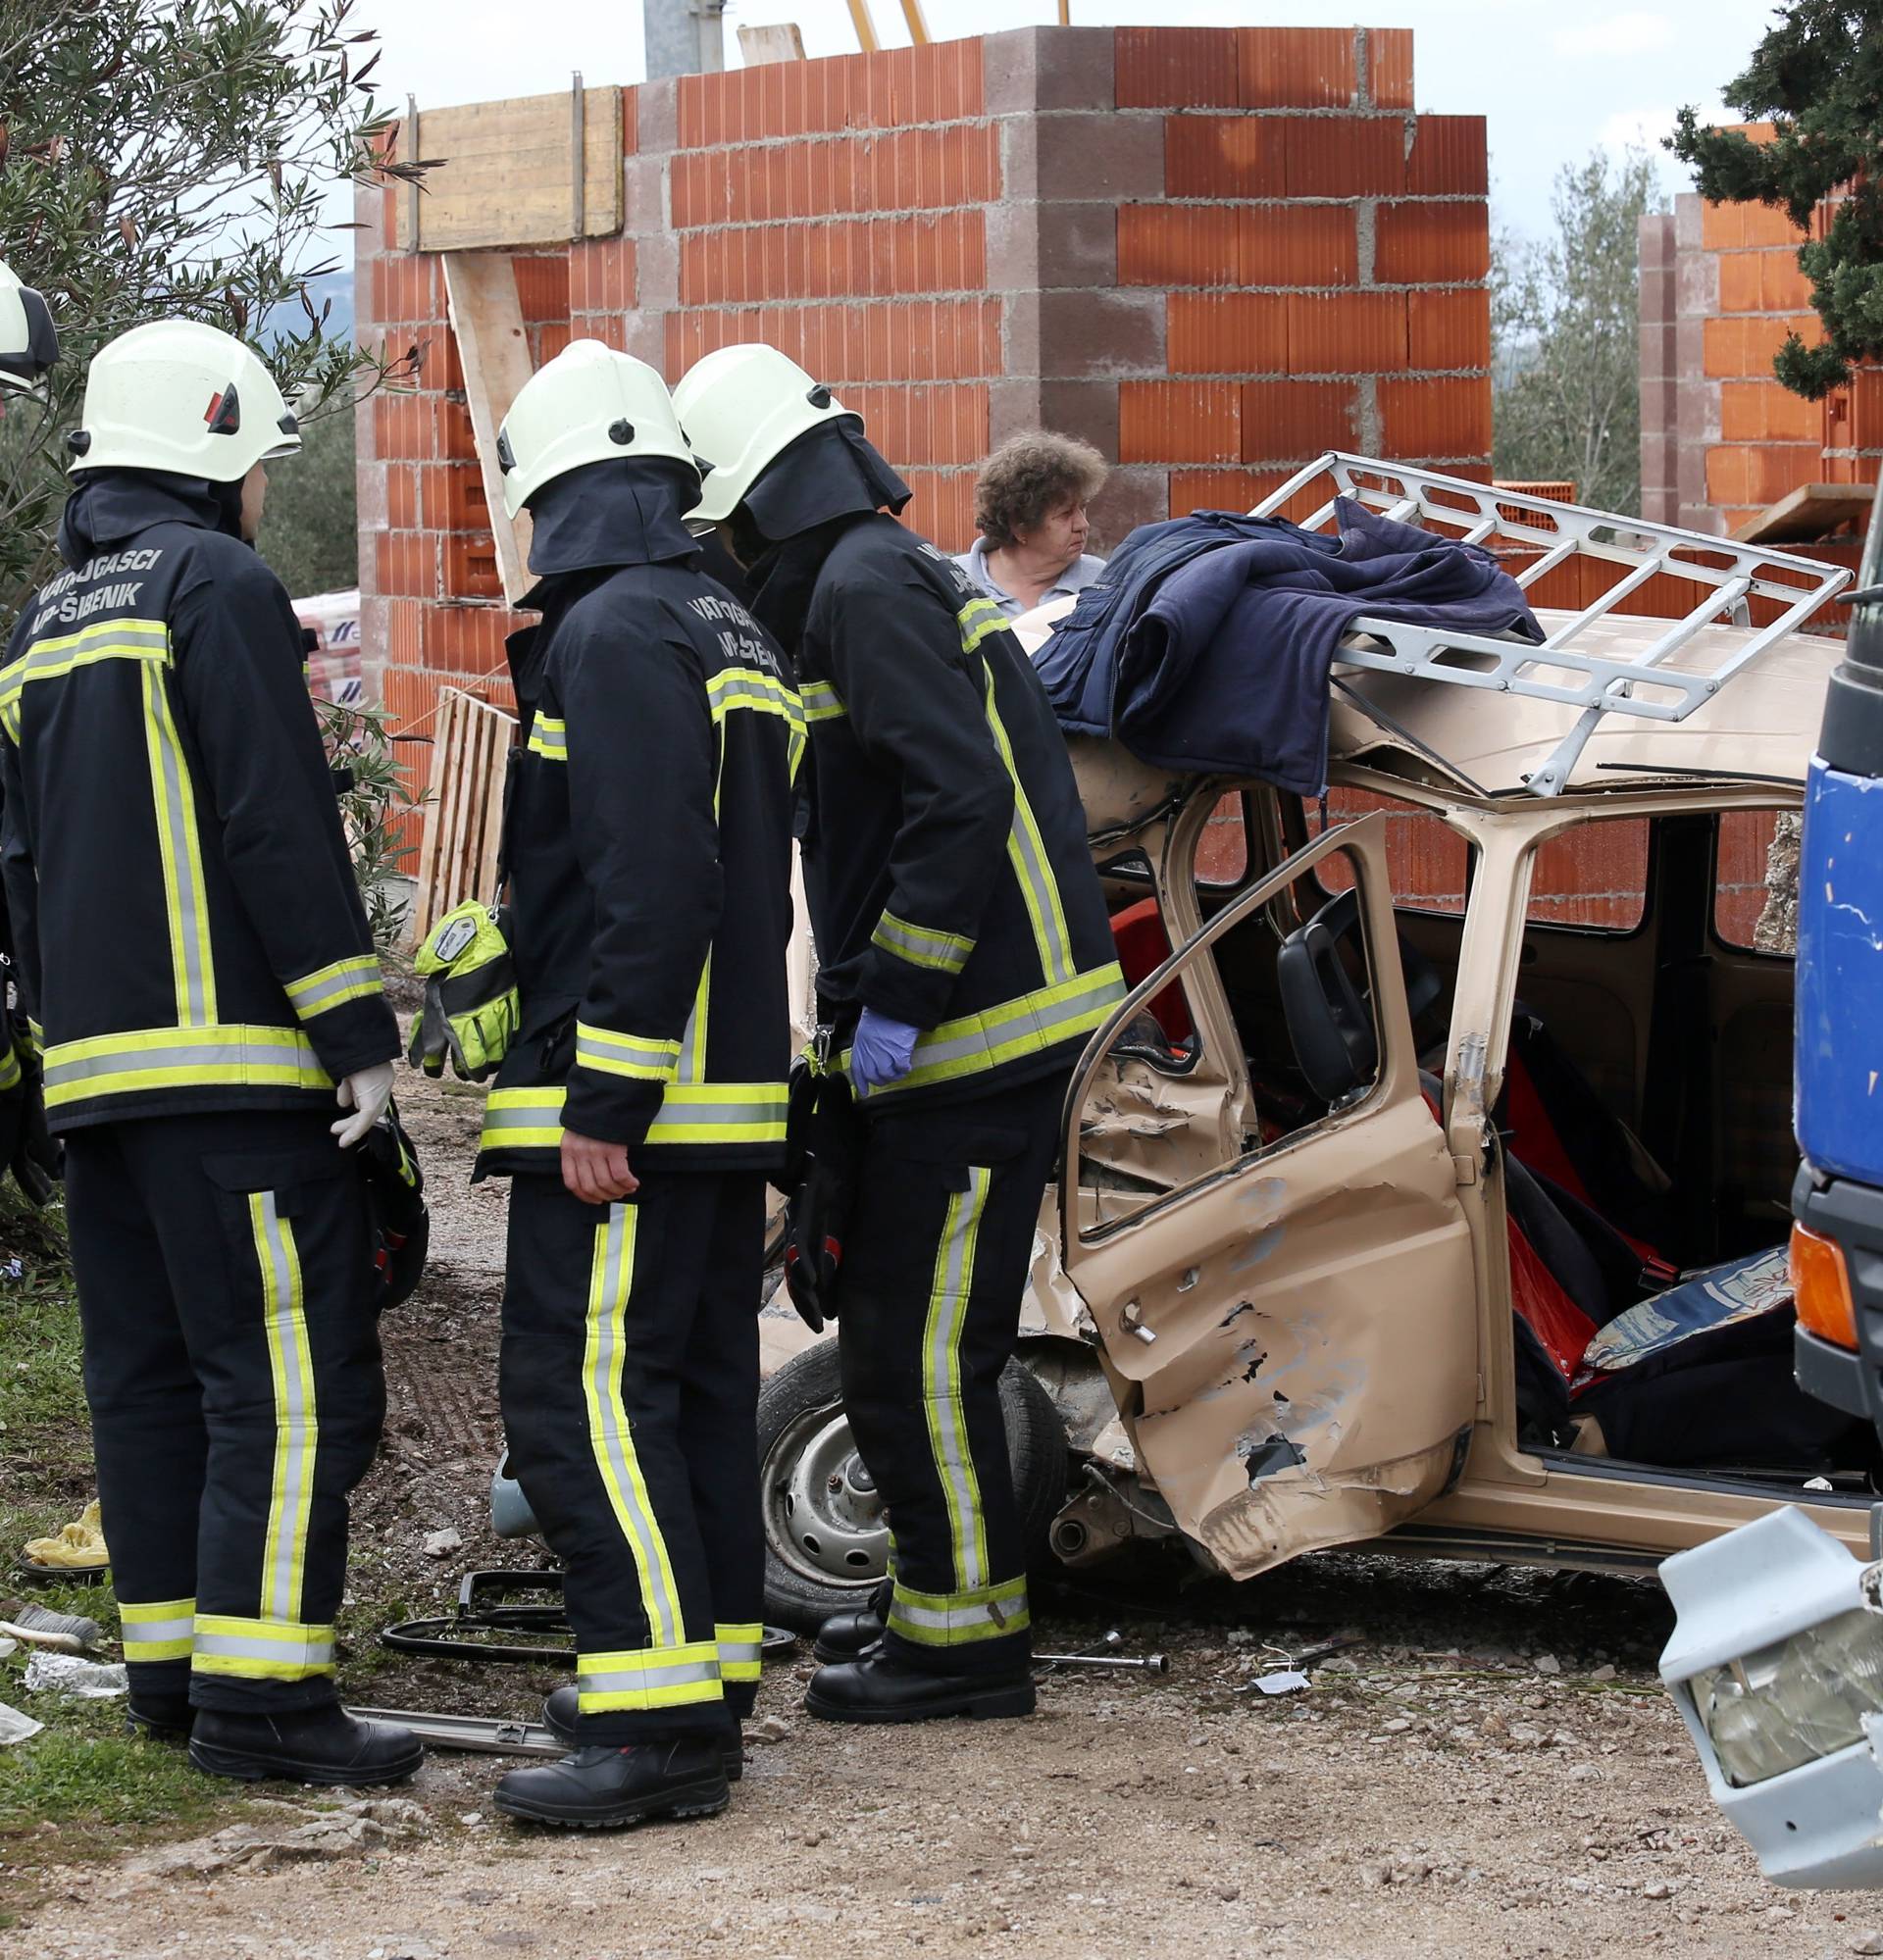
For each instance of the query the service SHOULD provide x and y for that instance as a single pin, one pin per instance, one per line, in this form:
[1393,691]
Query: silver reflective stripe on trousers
[610,1431]
[645,1678]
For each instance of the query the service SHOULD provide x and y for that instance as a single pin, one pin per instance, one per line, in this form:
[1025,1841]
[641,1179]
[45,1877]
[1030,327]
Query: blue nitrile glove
[882,1051]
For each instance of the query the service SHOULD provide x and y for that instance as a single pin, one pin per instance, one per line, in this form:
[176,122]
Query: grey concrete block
[1115,154]
[1078,244]
[1087,409]
[657,117]
[1091,334]
[1132,496]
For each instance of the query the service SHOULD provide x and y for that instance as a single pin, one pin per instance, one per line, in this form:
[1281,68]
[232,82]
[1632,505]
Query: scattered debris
[1285,1681]
[442,1544]
[75,1678]
[1548,1664]
[15,1727]
[351,1831]
[39,1626]
[77,1547]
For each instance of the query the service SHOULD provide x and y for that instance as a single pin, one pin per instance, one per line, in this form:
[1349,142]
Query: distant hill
[335,289]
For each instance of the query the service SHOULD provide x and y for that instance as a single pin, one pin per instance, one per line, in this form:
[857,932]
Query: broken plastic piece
[14,1727]
[1285,1681]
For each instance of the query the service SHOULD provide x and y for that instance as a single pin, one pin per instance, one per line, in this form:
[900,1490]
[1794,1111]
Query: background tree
[1818,76]
[308,533]
[1566,338]
[172,156]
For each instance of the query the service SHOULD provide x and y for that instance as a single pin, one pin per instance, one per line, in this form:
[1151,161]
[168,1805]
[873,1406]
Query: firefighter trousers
[630,1391]
[934,1270]
[231,1362]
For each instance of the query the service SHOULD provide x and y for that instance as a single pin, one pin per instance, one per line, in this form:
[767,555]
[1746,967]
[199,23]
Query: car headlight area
[1776,1665]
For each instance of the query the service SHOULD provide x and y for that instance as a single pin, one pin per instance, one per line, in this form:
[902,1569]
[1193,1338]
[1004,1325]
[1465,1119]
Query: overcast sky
[1556,80]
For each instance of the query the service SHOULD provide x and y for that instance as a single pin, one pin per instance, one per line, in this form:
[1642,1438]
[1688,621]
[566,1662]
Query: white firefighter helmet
[28,341]
[589,404]
[741,408]
[184,396]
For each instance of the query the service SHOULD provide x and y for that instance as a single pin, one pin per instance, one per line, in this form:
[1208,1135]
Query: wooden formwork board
[505,173]
[464,820]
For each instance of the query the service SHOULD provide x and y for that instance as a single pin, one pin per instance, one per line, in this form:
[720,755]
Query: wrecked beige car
[1295,1290]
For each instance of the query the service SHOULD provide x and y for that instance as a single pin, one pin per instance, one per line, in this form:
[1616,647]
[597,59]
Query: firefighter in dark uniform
[191,937]
[964,958]
[643,1101]
[28,351]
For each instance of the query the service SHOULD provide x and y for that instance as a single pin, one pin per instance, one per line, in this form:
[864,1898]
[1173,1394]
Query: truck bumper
[1852,1215]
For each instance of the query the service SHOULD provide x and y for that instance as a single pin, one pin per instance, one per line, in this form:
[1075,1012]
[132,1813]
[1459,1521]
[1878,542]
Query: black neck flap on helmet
[830,471]
[625,510]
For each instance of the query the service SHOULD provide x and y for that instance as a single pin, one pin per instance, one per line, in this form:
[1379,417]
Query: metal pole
[683,36]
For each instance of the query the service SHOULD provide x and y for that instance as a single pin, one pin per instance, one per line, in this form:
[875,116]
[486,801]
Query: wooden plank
[504,175]
[918,25]
[464,821]
[1811,511]
[864,25]
[493,351]
[780,42]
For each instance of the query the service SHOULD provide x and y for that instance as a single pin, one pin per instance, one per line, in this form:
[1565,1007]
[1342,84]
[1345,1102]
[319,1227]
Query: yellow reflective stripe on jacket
[611,1440]
[690,1112]
[103,639]
[942,1408]
[335,985]
[549,738]
[10,1071]
[185,903]
[297,1425]
[752,687]
[648,1678]
[160,1629]
[821,702]
[922,945]
[742,1650]
[260,1649]
[1027,853]
[164,1058]
[977,620]
[958,1618]
[1015,1028]
[642,1057]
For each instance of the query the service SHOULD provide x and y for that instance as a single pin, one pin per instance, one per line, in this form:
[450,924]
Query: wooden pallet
[458,854]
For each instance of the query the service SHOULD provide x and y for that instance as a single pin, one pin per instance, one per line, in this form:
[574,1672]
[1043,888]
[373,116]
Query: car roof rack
[1733,575]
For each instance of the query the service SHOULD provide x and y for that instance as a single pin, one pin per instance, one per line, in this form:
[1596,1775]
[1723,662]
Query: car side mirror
[1329,1025]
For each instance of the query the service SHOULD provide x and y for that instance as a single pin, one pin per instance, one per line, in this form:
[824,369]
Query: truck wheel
[827,1542]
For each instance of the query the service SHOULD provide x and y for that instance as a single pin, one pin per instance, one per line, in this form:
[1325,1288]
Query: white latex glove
[366,1094]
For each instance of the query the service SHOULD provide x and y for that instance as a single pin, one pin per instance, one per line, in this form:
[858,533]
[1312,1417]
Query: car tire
[822,1520]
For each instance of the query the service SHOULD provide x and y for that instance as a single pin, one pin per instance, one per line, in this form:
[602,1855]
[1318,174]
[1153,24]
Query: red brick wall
[1211,252]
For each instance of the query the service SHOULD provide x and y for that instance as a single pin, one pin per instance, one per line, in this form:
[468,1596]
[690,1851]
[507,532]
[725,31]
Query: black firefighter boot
[850,1635]
[562,1705]
[303,1746]
[880,1688]
[606,1786]
[164,1718]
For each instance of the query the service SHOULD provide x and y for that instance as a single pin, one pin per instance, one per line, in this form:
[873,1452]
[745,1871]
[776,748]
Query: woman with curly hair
[1030,503]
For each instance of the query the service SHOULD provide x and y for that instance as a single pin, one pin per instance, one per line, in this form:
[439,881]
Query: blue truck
[1837,1201]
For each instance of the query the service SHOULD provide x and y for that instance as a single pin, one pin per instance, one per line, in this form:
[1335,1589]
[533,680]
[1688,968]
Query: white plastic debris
[1285,1681]
[442,1544]
[75,1678]
[14,1727]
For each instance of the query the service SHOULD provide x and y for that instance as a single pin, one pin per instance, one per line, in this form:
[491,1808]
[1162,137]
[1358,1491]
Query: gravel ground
[1488,1769]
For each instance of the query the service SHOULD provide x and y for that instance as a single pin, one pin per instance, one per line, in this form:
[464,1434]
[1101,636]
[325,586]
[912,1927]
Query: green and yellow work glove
[471,1011]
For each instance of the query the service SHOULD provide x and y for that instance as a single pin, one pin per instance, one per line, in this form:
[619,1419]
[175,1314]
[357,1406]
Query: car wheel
[826,1540]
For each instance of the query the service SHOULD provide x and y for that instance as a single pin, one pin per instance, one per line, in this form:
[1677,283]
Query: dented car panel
[1249,1320]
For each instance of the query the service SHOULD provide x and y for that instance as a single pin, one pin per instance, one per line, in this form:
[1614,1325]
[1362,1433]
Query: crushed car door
[1291,1336]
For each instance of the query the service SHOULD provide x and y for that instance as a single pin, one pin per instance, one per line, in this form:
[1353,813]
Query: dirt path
[1490,1771]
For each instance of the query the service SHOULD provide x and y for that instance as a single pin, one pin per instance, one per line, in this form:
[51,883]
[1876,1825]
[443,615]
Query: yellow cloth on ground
[79,1546]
